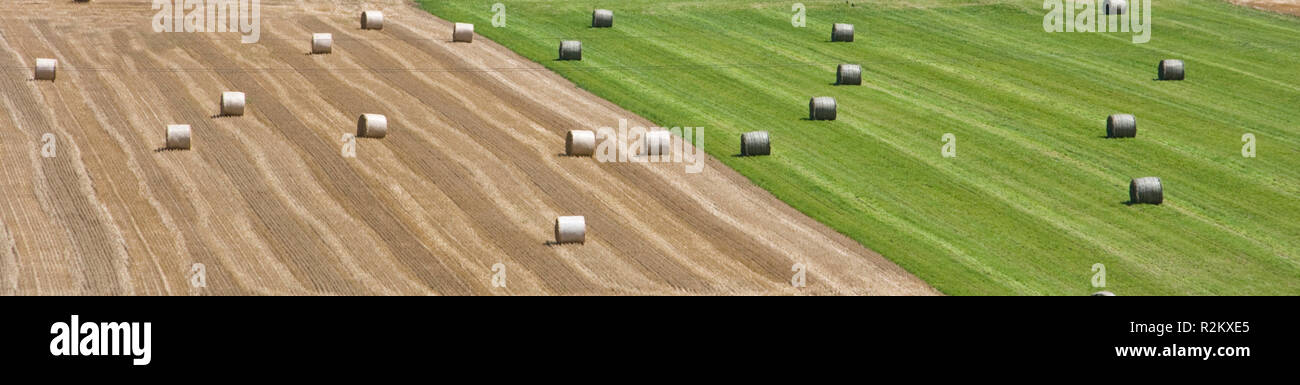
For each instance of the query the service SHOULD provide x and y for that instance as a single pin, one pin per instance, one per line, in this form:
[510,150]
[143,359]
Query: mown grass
[1036,194]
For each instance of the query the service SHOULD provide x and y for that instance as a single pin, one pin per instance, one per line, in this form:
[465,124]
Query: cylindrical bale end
[842,32]
[178,137]
[232,103]
[580,143]
[570,50]
[1146,190]
[657,143]
[848,74]
[602,18]
[46,69]
[755,144]
[322,43]
[1171,69]
[1115,7]
[1121,126]
[372,126]
[821,108]
[571,229]
[463,33]
[372,20]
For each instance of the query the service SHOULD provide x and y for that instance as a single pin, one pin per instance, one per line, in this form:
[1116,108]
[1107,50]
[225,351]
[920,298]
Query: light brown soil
[468,176]
[1281,6]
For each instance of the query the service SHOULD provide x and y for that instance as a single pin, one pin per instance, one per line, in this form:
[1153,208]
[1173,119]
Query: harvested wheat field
[470,173]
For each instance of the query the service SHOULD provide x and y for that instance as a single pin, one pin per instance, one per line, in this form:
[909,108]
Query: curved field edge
[1035,196]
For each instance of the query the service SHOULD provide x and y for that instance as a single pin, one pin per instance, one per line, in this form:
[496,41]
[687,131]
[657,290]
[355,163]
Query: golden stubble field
[469,175]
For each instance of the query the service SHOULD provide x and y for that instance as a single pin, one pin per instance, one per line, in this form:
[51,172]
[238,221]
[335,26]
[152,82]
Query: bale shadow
[1128,202]
[165,149]
[556,244]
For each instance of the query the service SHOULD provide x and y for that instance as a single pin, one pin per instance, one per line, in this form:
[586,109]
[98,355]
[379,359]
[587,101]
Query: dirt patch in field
[1291,7]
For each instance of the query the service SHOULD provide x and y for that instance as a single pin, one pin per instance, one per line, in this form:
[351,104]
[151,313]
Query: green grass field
[1036,194]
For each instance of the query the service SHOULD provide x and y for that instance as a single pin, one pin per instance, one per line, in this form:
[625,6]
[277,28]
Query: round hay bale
[602,18]
[1121,126]
[178,136]
[1115,7]
[1146,190]
[46,69]
[821,108]
[1103,294]
[570,50]
[580,143]
[322,43]
[232,103]
[842,32]
[571,229]
[1171,69]
[372,20]
[848,74]
[755,143]
[372,126]
[657,143]
[463,32]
